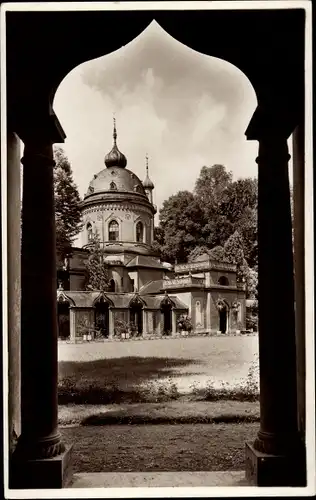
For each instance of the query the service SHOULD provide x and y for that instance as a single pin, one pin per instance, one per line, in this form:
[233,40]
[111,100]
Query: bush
[120,326]
[184,323]
[83,391]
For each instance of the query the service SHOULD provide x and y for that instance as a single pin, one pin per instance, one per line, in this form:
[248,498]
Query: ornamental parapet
[185,282]
[206,265]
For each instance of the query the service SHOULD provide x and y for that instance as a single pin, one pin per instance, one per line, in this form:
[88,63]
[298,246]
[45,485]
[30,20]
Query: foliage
[184,323]
[97,268]
[120,326]
[181,219]
[246,390]
[67,204]
[193,224]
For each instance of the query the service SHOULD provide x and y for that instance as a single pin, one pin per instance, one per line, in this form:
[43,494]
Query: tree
[67,204]
[181,220]
[195,223]
[97,269]
[211,185]
[159,241]
[240,208]
[216,253]
[234,253]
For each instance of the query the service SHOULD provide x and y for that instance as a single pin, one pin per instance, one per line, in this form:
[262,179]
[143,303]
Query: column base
[53,472]
[263,469]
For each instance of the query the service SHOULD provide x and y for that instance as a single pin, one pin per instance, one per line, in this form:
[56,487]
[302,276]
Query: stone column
[72,318]
[208,311]
[111,323]
[40,440]
[275,458]
[174,322]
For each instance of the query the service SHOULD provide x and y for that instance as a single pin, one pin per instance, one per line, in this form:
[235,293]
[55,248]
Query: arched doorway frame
[271,110]
[167,310]
[136,314]
[102,306]
[64,303]
[223,315]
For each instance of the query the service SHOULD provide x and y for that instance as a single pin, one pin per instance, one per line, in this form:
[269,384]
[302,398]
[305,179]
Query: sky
[183,108]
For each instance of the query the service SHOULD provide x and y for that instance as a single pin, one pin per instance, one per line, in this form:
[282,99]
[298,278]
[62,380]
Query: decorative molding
[110,206]
[205,265]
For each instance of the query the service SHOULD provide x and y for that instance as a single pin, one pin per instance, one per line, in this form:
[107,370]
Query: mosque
[145,297]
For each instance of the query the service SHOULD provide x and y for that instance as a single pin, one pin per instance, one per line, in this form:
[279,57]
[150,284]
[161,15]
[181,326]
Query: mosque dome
[116,179]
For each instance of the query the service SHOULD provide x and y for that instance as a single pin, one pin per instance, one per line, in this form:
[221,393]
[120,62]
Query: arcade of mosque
[144,293]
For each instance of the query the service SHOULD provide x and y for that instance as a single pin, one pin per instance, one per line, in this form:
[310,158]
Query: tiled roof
[154,302]
[153,287]
[117,300]
[144,261]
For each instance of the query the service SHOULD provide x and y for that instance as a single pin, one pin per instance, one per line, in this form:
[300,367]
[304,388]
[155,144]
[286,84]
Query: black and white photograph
[157,249]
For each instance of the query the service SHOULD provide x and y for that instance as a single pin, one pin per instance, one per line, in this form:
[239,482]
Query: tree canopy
[97,268]
[219,218]
[207,217]
[181,219]
[67,200]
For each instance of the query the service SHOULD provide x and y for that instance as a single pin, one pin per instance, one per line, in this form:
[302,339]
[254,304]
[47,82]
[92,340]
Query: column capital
[38,159]
[273,149]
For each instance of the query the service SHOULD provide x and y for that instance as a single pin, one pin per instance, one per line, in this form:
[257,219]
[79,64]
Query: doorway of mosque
[63,320]
[166,310]
[102,318]
[136,318]
[223,320]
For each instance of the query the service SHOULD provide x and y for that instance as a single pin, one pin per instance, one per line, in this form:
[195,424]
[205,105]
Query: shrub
[156,392]
[184,323]
[120,326]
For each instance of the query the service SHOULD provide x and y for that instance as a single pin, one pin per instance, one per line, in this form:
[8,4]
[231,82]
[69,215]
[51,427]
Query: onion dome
[147,183]
[115,158]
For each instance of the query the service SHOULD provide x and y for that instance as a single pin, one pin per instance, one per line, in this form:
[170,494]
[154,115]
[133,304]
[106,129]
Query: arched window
[139,231]
[223,281]
[138,189]
[113,231]
[113,185]
[89,229]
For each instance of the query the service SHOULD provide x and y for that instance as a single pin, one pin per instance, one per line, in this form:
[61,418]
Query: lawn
[117,448]
[131,364]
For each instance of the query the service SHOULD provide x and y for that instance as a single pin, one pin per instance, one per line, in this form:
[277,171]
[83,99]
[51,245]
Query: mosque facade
[145,297]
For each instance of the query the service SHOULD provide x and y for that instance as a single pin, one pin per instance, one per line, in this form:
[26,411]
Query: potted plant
[184,324]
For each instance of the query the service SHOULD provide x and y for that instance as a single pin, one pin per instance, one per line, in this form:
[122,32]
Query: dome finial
[115,158]
[148,184]
[146,163]
[114,129]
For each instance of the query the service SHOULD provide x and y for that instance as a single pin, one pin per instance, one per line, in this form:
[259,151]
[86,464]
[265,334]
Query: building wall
[127,216]
[198,314]
[77,281]
[215,275]
[117,273]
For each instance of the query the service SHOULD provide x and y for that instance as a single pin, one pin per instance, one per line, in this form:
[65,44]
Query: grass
[156,371]
[174,412]
[199,447]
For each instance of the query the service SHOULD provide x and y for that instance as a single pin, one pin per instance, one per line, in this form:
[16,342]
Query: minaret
[148,184]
